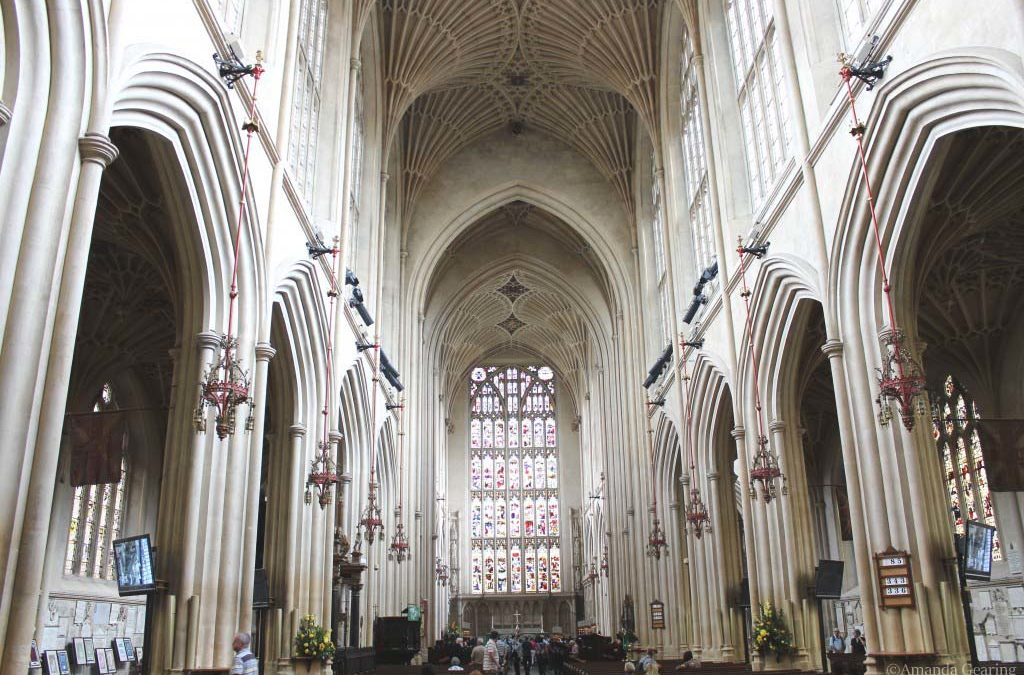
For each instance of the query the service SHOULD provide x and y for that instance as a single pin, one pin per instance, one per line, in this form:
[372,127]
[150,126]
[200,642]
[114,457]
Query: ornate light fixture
[323,476]
[604,561]
[399,548]
[398,551]
[764,468]
[441,571]
[656,544]
[225,386]
[323,473]
[901,378]
[371,520]
[696,511]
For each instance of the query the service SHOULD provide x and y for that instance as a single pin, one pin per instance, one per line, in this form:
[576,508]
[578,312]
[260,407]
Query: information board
[895,578]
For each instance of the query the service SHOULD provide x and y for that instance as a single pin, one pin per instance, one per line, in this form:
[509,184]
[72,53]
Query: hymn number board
[895,578]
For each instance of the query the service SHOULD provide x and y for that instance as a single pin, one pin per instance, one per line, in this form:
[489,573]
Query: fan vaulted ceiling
[582,71]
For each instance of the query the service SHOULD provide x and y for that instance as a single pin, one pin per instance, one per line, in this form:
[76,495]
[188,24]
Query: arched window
[514,482]
[659,243]
[305,120]
[97,509]
[695,160]
[963,464]
[760,93]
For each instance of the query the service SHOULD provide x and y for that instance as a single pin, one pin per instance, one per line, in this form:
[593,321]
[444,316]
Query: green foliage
[770,632]
[313,641]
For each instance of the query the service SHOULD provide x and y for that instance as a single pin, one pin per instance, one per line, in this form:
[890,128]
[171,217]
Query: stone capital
[297,431]
[832,348]
[335,437]
[776,425]
[713,476]
[208,339]
[355,65]
[345,479]
[97,148]
[265,351]
[738,432]
[5,115]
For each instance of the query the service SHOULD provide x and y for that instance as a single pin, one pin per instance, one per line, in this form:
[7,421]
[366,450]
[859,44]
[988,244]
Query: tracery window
[305,120]
[230,14]
[515,515]
[956,434]
[97,513]
[855,16]
[695,160]
[358,140]
[760,87]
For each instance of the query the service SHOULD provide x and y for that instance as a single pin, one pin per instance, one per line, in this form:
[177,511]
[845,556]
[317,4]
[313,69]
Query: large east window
[760,88]
[515,519]
[97,509]
[956,434]
[695,160]
[305,120]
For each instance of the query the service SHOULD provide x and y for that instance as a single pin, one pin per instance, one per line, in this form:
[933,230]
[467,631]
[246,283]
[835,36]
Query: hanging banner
[1002,443]
[97,446]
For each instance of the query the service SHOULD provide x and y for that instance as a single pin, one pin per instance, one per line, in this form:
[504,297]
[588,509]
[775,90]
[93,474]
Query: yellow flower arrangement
[313,641]
[770,632]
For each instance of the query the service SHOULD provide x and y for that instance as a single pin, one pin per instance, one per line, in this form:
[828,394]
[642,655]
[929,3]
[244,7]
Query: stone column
[833,349]
[97,152]
[5,115]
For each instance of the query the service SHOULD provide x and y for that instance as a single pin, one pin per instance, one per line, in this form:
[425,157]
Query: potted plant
[313,641]
[770,633]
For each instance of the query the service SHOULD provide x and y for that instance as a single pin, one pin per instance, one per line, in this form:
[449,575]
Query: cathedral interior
[691,323]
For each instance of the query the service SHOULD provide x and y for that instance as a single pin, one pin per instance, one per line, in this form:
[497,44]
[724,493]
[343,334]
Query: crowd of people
[510,655]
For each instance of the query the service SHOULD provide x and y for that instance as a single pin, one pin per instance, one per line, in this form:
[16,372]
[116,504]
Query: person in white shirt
[245,662]
[456,665]
[492,659]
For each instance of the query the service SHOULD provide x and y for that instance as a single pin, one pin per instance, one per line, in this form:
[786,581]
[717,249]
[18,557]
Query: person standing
[476,657]
[836,643]
[492,658]
[245,662]
[540,656]
[857,645]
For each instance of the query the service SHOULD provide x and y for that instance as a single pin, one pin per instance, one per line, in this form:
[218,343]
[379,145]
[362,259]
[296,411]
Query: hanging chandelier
[323,473]
[224,388]
[901,381]
[441,571]
[764,468]
[656,544]
[398,551]
[696,511]
[604,561]
[225,385]
[371,520]
[323,476]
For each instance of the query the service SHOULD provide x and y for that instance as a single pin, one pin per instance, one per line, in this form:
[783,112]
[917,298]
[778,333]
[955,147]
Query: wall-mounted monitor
[133,562]
[978,543]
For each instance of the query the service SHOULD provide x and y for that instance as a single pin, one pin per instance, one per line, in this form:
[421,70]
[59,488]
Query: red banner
[97,446]
[1002,442]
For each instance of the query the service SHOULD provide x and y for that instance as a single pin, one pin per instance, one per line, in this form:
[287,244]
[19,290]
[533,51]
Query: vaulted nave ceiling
[504,288]
[582,71]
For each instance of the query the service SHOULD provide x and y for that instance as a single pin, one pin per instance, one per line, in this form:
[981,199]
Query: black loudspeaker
[743,593]
[260,590]
[828,582]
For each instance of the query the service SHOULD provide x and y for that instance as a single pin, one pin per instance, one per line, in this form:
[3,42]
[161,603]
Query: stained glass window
[97,512]
[514,481]
[963,464]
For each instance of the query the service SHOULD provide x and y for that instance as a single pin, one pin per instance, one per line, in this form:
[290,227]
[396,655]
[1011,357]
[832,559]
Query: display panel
[979,543]
[133,558]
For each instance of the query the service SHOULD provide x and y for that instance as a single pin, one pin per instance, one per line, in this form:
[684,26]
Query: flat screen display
[978,550]
[133,561]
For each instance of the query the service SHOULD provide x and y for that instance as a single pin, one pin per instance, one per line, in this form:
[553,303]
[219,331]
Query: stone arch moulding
[953,91]
[186,105]
[709,387]
[304,316]
[615,268]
